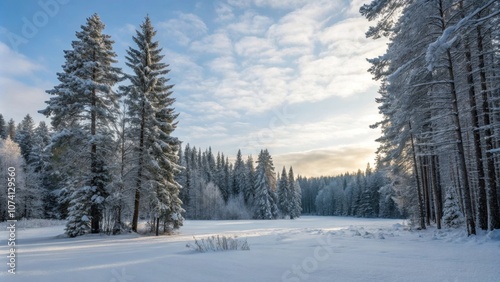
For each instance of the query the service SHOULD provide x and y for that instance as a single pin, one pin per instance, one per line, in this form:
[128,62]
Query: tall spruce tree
[295,196]
[3,128]
[24,137]
[284,194]
[265,202]
[239,175]
[152,118]
[11,129]
[83,109]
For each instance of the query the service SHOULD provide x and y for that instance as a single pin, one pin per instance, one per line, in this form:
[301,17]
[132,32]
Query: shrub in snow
[234,209]
[219,243]
[452,216]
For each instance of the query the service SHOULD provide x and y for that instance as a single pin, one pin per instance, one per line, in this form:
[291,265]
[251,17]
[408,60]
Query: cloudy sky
[287,75]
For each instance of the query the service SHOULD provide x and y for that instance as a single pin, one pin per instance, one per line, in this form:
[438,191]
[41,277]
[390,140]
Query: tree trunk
[419,192]
[137,197]
[436,189]
[94,209]
[492,198]
[478,158]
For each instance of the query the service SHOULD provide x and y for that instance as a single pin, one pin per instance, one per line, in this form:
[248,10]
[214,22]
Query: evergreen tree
[239,175]
[24,137]
[83,109]
[40,165]
[265,202]
[452,216]
[11,129]
[295,195]
[3,128]
[249,188]
[152,118]
[284,194]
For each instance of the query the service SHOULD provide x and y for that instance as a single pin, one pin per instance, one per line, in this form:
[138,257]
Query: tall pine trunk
[94,209]
[137,198]
[478,158]
[492,198]
[419,192]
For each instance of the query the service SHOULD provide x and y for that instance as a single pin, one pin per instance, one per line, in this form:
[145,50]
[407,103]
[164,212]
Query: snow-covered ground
[307,249]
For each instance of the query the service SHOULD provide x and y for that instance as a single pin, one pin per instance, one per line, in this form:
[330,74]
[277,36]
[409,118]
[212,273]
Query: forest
[109,158]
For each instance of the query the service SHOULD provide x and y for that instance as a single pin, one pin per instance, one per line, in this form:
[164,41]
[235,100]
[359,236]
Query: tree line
[215,188]
[439,98]
[359,194]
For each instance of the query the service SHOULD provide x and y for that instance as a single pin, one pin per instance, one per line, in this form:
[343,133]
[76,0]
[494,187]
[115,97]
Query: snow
[310,248]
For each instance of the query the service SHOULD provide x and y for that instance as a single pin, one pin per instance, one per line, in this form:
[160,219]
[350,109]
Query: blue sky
[289,76]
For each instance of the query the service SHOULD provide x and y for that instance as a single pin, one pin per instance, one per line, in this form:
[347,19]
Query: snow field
[306,249]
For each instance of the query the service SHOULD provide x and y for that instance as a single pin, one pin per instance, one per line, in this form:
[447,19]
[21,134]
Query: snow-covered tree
[24,137]
[249,189]
[3,128]
[265,202]
[11,129]
[239,177]
[295,195]
[284,203]
[83,109]
[436,100]
[452,216]
[152,118]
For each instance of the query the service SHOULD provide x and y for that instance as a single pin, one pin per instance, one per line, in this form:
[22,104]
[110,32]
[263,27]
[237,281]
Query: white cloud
[216,43]
[19,99]
[231,76]
[184,28]
[250,23]
[224,12]
[15,64]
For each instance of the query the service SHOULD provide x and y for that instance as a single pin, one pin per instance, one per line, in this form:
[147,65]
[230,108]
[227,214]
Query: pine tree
[24,137]
[83,109]
[11,129]
[295,195]
[284,194]
[249,188]
[40,165]
[152,118]
[239,175]
[3,128]
[452,216]
[265,202]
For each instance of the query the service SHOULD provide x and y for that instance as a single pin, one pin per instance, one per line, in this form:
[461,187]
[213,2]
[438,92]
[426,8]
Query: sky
[290,76]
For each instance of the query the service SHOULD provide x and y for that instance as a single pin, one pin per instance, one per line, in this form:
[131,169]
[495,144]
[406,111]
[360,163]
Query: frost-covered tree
[265,202]
[3,128]
[41,166]
[452,216]
[438,80]
[11,129]
[24,137]
[284,193]
[295,195]
[83,109]
[239,175]
[249,189]
[152,118]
